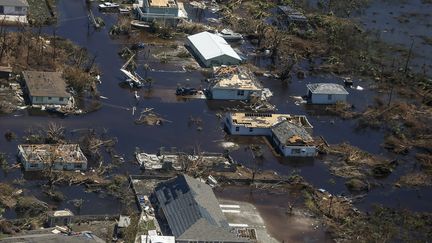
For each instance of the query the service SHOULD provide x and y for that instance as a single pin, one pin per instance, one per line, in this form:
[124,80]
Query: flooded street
[117,119]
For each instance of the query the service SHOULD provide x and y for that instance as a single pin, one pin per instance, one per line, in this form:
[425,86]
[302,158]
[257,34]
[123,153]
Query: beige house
[46,88]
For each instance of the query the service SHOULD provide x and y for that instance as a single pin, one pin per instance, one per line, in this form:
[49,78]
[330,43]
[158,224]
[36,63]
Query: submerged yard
[376,169]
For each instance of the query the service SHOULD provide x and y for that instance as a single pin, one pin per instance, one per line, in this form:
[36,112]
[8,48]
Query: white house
[234,83]
[14,10]
[157,238]
[212,50]
[260,124]
[326,93]
[168,11]
[35,157]
[46,88]
[13,7]
[293,140]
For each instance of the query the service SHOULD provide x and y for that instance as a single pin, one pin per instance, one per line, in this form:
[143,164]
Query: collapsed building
[178,161]
[234,83]
[290,134]
[36,157]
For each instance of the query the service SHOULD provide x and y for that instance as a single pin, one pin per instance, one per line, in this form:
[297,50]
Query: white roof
[327,88]
[157,239]
[211,46]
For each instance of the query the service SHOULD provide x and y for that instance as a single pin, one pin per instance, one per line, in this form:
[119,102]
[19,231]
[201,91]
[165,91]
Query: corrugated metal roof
[211,46]
[192,210]
[327,88]
[17,3]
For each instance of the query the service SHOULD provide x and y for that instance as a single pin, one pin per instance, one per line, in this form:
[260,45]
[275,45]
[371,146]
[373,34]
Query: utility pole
[409,56]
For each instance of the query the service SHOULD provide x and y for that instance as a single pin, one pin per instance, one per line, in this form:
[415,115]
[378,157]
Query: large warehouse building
[212,50]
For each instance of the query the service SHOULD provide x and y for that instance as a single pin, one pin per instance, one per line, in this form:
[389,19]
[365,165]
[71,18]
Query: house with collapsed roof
[36,157]
[289,15]
[14,10]
[326,93]
[212,50]
[293,140]
[233,83]
[46,88]
[192,212]
[291,134]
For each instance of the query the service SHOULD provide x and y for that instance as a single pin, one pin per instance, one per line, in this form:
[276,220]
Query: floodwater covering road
[116,117]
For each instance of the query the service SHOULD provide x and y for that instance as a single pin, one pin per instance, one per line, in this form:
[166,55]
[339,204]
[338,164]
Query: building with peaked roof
[326,93]
[192,211]
[36,157]
[212,50]
[234,83]
[293,140]
[46,88]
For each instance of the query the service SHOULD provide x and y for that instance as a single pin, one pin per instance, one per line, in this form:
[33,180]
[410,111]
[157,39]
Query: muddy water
[117,118]
[273,207]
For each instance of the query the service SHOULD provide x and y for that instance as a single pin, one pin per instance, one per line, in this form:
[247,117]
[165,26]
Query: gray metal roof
[192,210]
[17,3]
[48,84]
[327,88]
[291,134]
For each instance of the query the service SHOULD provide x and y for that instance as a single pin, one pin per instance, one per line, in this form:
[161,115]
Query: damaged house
[212,50]
[289,15]
[234,83]
[192,212]
[167,11]
[290,134]
[14,10]
[36,157]
[293,140]
[46,88]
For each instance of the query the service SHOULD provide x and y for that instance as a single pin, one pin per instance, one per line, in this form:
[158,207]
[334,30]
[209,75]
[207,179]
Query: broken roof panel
[211,46]
[327,88]
[234,77]
[44,153]
[291,134]
[264,120]
[47,84]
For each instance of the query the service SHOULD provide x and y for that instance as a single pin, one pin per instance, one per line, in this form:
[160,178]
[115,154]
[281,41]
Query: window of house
[39,99]
[49,98]
[61,99]
[329,97]
[240,92]
[18,9]
[295,151]
[78,166]
[251,129]
[237,129]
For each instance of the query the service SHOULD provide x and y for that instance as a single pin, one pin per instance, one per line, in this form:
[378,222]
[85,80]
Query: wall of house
[12,10]
[298,151]
[327,99]
[230,94]
[42,100]
[245,131]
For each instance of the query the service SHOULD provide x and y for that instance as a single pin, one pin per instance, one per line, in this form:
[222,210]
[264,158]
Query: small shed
[60,218]
[326,93]
[46,88]
[212,50]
